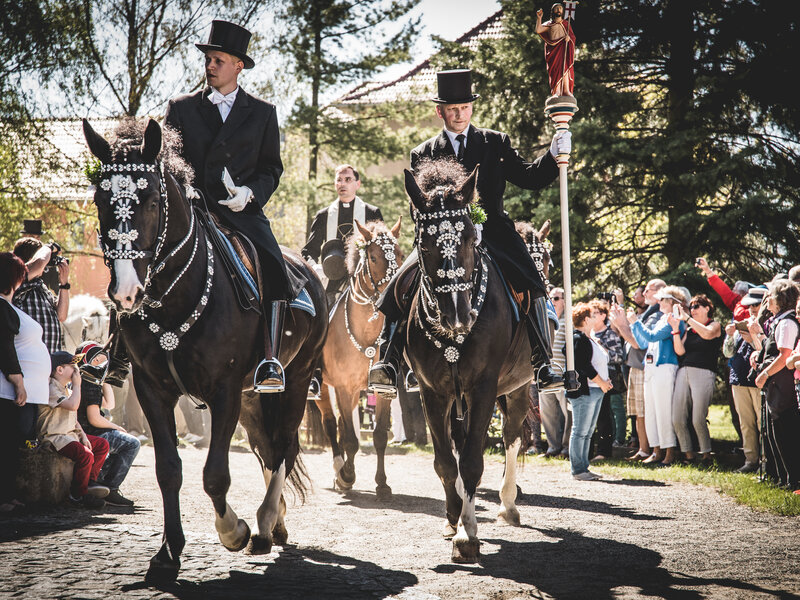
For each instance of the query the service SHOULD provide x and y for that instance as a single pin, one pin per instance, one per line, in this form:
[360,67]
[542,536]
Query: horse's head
[446,241]
[373,253]
[141,174]
[538,246]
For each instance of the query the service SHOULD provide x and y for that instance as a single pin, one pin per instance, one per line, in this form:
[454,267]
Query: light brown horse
[355,324]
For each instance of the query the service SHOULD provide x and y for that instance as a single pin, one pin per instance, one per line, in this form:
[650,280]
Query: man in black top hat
[332,227]
[225,127]
[499,162]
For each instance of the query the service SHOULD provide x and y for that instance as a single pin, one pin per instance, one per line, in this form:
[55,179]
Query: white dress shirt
[224,102]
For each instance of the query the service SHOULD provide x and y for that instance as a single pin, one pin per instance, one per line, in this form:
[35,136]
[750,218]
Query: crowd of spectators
[662,353]
[44,404]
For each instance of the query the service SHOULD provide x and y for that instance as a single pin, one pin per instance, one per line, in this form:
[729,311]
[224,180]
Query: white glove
[561,144]
[243,195]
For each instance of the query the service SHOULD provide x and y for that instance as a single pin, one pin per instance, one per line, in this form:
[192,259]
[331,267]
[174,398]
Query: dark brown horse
[185,332]
[467,348]
[373,257]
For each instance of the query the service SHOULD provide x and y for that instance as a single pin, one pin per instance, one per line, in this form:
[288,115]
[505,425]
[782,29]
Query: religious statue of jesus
[559,50]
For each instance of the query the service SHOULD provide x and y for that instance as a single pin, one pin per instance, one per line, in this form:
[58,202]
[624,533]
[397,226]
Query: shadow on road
[42,522]
[551,501]
[577,566]
[297,573]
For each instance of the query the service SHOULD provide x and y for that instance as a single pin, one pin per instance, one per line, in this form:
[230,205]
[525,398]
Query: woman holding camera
[660,366]
[698,352]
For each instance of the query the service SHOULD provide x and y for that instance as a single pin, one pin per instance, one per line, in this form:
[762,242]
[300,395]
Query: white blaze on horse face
[127,283]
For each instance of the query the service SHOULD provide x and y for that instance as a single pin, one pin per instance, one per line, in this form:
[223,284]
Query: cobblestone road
[610,539]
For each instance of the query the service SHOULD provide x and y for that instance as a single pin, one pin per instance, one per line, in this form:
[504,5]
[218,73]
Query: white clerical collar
[346,204]
[452,137]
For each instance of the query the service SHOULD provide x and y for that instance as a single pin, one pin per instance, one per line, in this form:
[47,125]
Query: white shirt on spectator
[785,332]
[599,361]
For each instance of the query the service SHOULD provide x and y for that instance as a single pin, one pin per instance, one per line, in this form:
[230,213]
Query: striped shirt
[559,341]
[36,300]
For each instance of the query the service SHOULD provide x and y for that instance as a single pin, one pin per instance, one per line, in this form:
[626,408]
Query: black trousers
[16,425]
[782,446]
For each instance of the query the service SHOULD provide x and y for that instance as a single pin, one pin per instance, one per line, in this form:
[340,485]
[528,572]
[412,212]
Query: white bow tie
[217,98]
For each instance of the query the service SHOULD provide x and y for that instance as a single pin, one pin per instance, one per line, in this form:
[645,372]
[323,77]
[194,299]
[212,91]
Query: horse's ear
[174,189]
[544,231]
[396,229]
[365,233]
[151,145]
[413,191]
[97,143]
[467,190]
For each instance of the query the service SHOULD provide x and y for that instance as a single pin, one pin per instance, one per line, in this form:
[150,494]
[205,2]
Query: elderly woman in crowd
[591,364]
[782,444]
[698,350]
[24,374]
[660,367]
[746,396]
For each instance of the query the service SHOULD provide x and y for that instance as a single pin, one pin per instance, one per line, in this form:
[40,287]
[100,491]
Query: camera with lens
[55,255]
[609,297]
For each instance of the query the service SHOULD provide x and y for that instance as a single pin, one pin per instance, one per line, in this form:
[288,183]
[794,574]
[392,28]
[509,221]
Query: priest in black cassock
[333,226]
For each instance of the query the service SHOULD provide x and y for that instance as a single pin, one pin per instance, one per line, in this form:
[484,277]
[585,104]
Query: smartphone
[676,311]
[227,181]
[741,326]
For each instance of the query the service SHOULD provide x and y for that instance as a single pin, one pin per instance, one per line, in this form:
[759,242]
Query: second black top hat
[231,38]
[455,87]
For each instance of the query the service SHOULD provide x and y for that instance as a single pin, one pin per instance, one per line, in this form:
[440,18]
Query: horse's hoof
[383,493]
[259,545]
[279,534]
[449,530]
[161,572]
[466,550]
[240,541]
[343,482]
[510,516]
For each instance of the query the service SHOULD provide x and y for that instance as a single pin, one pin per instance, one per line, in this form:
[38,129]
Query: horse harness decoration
[539,251]
[449,236]
[123,195]
[387,243]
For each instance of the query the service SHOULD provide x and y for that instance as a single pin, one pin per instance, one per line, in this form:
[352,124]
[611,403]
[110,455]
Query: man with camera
[35,298]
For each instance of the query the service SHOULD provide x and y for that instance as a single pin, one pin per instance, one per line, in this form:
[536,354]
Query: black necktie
[460,139]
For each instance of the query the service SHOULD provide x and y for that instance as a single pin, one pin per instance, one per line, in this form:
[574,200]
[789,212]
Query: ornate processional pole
[561,106]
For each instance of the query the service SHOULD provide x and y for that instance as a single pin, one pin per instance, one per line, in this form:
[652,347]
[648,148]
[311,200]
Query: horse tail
[299,481]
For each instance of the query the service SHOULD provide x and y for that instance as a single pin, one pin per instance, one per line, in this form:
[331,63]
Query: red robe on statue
[559,54]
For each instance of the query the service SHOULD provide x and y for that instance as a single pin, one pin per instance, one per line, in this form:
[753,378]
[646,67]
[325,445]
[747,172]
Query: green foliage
[93,170]
[684,144]
[476,214]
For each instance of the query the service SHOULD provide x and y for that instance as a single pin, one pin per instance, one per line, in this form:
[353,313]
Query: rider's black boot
[545,377]
[269,377]
[383,375]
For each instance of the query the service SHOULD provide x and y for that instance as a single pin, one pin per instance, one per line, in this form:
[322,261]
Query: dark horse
[466,347]
[173,295]
[355,325]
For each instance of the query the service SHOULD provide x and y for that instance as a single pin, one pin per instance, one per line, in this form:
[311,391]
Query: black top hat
[31,227]
[455,87]
[230,38]
[333,261]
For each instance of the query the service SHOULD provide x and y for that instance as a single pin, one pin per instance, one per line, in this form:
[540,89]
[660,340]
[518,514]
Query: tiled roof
[419,83]
[63,145]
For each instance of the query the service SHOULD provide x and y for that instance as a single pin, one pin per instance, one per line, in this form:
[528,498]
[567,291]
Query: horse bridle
[538,250]
[449,238]
[387,243]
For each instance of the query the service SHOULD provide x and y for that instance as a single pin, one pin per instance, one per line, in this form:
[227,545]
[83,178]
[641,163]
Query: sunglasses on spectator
[554,298]
[693,306]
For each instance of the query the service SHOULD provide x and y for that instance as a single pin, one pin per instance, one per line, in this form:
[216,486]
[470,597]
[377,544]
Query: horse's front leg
[347,401]
[380,437]
[233,532]
[515,408]
[329,424]
[444,461]
[160,412]
[466,546]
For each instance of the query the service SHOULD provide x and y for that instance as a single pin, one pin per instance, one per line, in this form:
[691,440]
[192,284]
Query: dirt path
[609,539]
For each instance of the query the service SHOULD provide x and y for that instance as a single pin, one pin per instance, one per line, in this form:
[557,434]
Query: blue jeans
[584,418]
[123,448]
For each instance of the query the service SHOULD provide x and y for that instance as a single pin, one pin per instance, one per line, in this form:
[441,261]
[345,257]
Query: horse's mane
[526,230]
[443,172]
[127,137]
[352,248]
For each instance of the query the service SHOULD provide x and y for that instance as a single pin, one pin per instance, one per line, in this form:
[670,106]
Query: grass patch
[720,425]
